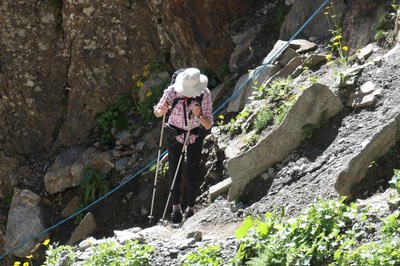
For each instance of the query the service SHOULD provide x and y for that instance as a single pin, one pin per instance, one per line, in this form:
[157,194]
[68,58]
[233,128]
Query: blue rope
[256,73]
[259,69]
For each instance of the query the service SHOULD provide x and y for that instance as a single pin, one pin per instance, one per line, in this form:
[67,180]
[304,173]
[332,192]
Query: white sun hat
[190,83]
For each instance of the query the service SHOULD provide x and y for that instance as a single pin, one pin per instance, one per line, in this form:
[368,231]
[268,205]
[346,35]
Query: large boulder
[66,170]
[355,167]
[25,225]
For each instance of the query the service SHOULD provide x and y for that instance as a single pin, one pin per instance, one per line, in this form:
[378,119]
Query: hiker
[188,98]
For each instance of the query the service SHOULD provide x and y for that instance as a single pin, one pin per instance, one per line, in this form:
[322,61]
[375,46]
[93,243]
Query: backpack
[173,78]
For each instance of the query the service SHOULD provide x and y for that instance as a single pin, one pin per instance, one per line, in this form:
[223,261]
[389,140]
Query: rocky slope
[309,173]
[305,174]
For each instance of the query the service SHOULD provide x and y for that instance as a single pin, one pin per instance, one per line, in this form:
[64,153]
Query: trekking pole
[177,167]
[158,163]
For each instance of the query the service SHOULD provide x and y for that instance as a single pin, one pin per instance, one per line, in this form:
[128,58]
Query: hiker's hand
[161,109]
[196,110]
[164,107]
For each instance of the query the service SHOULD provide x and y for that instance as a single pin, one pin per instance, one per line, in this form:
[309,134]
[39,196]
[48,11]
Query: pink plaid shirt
[177,117]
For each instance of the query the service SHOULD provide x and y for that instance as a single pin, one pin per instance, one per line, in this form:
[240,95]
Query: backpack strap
[198,99]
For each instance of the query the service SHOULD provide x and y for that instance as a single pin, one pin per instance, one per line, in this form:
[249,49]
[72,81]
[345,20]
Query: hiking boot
[176,217]
[189,214]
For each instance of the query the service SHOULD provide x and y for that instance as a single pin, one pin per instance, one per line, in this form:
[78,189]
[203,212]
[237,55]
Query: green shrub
[373,253]
[280,90]
[391,225]
[107,253]
[311,239]
[93,184]
[54,254]
[116,116]
[204,256]
[263,119]
[145,108]
[380,35]
[114,254]
[395,181]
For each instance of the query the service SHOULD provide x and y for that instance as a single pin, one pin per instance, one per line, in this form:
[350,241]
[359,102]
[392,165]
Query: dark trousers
[193,154]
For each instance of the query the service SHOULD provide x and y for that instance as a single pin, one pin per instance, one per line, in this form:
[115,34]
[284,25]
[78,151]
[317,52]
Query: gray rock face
[62,66]
[301,11]
[24,220]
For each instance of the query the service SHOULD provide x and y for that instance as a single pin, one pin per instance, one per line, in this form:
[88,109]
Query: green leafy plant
[108,252]
[278,97]
[308,130]
[395,181]
[162,170]
[204,256]
[145,108]
[263,119]
[311,239]
[93,184]
[251,141]
[335,45]
[111,253]
[280,90]
[116,116]
[234,127]
[380,35]
[153,94]
[384,34]
[55,253]
[252,234]
[375,253]
[313,79]
[391,225]
[283,108]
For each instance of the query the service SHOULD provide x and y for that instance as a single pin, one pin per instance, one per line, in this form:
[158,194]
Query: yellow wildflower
[16,263]
[135,76]
[221,117]
[329,63]
[46,242]
[337,37]
[139,83]
[305,68]
[25,264]
[328,57]
[345,48]
[146,73]
[336,43]
[149,94]
[29,256]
